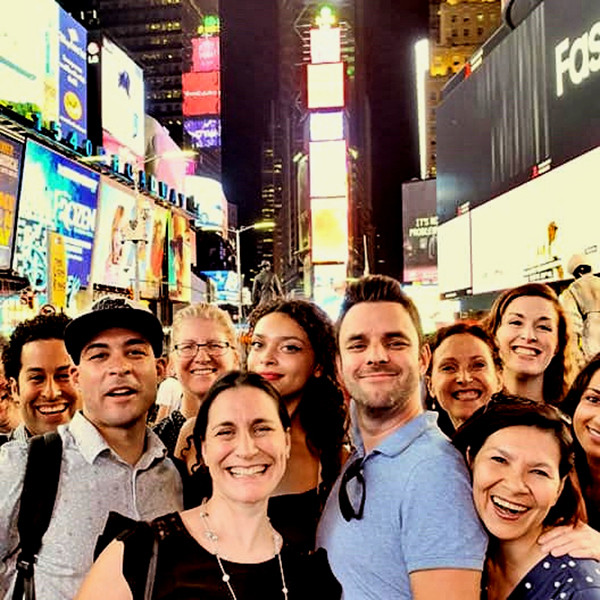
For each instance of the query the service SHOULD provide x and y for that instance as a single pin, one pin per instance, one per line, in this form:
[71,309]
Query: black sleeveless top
[185,570]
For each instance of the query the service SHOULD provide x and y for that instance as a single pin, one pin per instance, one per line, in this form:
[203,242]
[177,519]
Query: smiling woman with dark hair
[520,453]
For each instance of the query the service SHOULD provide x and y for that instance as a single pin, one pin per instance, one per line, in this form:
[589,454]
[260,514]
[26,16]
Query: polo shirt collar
[399,440]
[91,443]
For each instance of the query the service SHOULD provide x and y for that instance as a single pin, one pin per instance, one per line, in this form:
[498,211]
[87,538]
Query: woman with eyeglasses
[203,348]
[530,329]
[464,371]
[520,453]
[293,347]
[227,547]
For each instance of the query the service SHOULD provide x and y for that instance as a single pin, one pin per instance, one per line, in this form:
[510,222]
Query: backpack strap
[37,503]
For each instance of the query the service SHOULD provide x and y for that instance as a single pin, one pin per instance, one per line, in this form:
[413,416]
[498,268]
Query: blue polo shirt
[418,515]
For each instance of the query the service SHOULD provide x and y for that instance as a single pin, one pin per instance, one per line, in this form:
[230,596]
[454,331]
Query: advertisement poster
[419,225]
[122,98]
[72,78]
[152,253]
[180,253]
[203,133]
[114,256]
[205,54]
[201,93]
[57,262]
[329,226]
[60,196]
[29,57]
[226,284]
[10,165]
[210,201]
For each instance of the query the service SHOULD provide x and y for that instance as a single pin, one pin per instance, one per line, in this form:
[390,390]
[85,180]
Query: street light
[238,256]
[136,229]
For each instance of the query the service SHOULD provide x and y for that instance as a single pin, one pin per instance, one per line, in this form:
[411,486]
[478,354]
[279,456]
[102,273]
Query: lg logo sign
[577,60]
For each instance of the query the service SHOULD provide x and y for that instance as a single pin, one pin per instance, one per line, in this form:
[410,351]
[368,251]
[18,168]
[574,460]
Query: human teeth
[514,508]
[247,471]
[52,409]
[121,392]
[467,395]
[526,351]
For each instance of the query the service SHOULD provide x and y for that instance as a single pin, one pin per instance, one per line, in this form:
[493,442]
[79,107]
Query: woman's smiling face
[586,419]
[516,481]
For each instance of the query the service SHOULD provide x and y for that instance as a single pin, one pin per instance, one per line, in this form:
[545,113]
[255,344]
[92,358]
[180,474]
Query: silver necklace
[214,539]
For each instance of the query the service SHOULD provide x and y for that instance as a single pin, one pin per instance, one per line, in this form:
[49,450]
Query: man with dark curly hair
[39,370]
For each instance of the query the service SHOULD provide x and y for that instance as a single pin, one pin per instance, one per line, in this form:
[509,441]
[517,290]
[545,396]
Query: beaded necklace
[214,539]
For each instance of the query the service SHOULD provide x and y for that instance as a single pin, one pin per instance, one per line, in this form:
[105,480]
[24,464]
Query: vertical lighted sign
[328,166]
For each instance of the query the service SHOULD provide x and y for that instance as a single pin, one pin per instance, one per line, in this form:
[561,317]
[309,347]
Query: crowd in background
[314,460]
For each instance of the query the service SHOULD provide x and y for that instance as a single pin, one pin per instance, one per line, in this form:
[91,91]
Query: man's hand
[579,541]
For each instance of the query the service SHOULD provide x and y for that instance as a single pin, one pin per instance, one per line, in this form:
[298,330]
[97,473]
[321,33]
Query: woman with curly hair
[530,328]
[293,347]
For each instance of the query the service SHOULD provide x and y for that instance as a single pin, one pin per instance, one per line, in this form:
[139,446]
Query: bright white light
[326,126]
[421,68]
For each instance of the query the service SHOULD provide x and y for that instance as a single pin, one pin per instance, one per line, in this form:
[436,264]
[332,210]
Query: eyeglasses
[190,349]
[353,491]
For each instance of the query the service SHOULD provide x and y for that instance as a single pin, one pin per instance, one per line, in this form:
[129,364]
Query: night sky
[249,59]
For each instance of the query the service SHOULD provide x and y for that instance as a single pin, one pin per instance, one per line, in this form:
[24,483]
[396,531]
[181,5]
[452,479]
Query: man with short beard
[399,522]
[110,460]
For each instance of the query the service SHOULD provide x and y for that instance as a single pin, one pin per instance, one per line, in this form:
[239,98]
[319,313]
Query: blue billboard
[227,284]
[72,75]
[57,195]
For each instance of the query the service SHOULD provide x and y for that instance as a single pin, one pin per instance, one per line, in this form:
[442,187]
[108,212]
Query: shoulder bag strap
[37,502]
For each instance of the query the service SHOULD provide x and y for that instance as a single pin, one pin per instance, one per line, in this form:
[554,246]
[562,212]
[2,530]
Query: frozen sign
[59,196]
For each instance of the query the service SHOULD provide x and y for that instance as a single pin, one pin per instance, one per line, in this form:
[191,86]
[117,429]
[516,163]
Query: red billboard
[201,94]
[205,54]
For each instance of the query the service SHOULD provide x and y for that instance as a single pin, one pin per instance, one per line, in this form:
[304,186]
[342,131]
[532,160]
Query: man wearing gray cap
[110,460]
[581,301]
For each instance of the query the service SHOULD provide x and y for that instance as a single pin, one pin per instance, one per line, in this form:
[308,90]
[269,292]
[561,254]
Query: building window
[466,32]
[480,31]
[453,19]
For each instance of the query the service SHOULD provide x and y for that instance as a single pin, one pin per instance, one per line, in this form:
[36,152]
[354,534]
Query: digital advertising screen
[328,170]
[553,224]
[454,257]
[325,45]
[11,153]
[201,93]
[210,202]
[325,85]
[114,256]
[152,252]
[203,132]
[180,257]
[325,126]
[59,196]
[226,284]
[329,284]
[72,78]
[205,54]
[419,225]
[123,100]
[329,230]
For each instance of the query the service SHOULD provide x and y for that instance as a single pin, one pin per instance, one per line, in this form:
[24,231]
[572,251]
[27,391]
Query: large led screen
[42,63]
[60,196]
[419,225]
[325,85]
[329,227]
[328,170]
[122,98]
[325,45]
[226,284]
[326,126]
[210,201]
[203,132]
[11,153]
[114,256]
[454,257]
[205,54]
[201,93]
[151,253]
[329,284]
[180,257]
[529,233]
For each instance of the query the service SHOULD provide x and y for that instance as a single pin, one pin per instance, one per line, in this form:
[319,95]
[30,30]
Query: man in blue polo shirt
[400,521]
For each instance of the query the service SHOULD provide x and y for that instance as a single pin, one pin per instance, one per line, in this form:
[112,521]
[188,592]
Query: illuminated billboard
[419,228]
[57,195]
[205,54]
[152,252]
[11,153]
[328,288]
[325,85]
[180,257]
[123,98]
[329,230]
[226,284]
[328,169]
[325,45]
[42,63]
[72,76]
[325,126]
[203,132]
[210,201]
[454,257]
[201,93]
[114,257]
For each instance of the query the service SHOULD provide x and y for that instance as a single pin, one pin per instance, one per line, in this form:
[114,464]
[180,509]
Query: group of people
[308,463]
